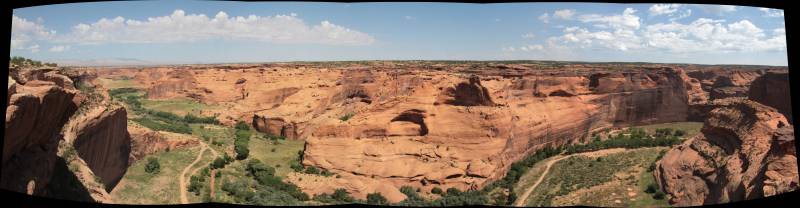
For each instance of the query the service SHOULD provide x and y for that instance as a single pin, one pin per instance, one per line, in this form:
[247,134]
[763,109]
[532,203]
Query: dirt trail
[182,179]
[522,199]
[182,183]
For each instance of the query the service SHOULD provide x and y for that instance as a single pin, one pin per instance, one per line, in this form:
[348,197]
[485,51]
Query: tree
[409,192]
[218,163]
[152,166]
[376,199]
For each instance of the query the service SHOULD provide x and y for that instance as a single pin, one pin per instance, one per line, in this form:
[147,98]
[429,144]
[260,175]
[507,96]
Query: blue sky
[210,31]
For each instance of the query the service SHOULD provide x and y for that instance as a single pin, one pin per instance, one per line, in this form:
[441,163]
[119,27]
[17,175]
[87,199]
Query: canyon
[382,125]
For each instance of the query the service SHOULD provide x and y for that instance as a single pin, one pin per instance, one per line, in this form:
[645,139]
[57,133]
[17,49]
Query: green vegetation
[339,196]
[139,187]
[632,138]
[581,172]
[688,129]
[22,61]
[346,117]
[268,189]
[154,119]
[242,140]
[153,166]
[376,199]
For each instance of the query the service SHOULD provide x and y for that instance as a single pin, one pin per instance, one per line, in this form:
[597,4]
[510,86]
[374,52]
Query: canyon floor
[405,132]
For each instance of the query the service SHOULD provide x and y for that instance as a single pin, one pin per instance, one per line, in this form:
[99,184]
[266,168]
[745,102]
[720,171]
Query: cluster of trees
[22,61]
[269,190]
[636,138]
[242,140]
[198,183]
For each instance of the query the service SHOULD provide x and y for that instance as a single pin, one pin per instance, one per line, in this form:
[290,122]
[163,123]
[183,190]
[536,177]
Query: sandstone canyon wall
[42,113]
[464,132]
[745,151]
[36,110]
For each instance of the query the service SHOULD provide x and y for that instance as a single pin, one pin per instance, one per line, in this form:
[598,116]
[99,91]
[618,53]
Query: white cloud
[33,48]
[532,48]
[771,12]
[529,36]
[706,35]
[625,32]
[409,17]
[24,33]
[59,48]
[627,20]
[180,27]
[718,9]
[509,49]
[545,18]
[686,13]
[564,14]
[661,9]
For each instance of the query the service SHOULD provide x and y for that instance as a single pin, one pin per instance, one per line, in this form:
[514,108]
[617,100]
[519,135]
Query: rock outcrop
[772,89]
[470,93]
[41,126]
[145,142]
[275,126]
[35,114]
[103,142]
[745,151]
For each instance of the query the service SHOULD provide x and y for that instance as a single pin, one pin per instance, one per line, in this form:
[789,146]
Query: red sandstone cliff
[745,151]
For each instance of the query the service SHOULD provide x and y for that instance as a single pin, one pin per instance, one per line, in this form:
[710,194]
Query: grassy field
[222,136]
[606,181]
[284,152]
[118,83]
[140,187]
[691,128]
[177,106]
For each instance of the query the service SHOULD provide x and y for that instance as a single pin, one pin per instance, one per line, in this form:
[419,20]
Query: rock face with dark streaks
[745,151]
[103,142]
[772,89]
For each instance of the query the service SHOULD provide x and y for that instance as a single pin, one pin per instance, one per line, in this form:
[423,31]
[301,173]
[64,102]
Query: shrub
[659,195]
[376,199]
[241,125]
[346,117]
[409,192]
[341,195]
[152,166]
[453,191]
[680,133]
[312,170]
[651,188]
[436,190]
[296,166]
